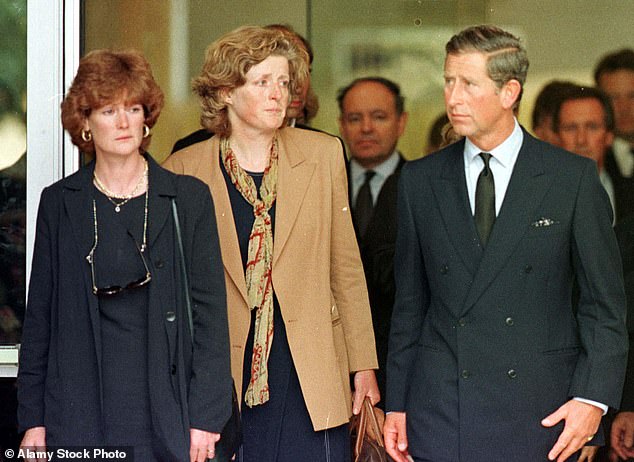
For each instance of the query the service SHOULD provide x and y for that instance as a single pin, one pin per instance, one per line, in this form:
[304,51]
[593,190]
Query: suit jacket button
[170,316]
[444,269]
[173,369]
[462,322]
[509,321]
[512,374]
[465,374]
[159,263]
[528,269]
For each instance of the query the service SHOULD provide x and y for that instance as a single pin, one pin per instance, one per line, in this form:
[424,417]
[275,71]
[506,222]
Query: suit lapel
[161,189]
[294,173]
[78,203]
[210,171]
[527,187]
[450,188]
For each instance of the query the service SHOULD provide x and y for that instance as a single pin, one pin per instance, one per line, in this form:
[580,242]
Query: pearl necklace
[124,198]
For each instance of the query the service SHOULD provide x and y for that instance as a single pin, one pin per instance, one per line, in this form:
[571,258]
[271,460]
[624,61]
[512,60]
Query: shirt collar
[505,153]
[383,170]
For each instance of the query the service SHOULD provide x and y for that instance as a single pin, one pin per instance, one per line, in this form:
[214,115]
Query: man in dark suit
[488,358]
[584,124]
[372,119]
[614,75]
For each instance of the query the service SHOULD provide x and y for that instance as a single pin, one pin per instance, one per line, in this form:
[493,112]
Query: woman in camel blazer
[321,311]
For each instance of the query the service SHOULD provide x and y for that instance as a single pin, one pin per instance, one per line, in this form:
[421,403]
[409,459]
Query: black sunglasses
[114,290]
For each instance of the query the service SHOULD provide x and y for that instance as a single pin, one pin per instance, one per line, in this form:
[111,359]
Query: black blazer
[486,342]
[623,187]
[59,380]
[377,254]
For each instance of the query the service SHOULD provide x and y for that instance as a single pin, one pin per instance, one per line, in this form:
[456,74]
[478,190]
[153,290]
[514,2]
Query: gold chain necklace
[125,198]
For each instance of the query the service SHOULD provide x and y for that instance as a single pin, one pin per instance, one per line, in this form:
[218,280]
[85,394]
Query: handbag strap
[378,433]
[185,279]
[367,417]
[362,426]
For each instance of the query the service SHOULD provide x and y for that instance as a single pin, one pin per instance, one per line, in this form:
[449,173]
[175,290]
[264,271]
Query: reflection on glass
[12,169]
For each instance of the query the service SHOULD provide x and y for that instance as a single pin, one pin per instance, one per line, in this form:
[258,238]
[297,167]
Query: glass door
[38,51]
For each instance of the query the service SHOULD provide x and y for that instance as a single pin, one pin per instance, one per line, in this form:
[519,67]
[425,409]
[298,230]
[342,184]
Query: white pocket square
[543,222]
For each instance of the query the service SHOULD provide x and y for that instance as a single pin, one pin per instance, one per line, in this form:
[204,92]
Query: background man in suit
[488,359]
[372,119]
[584,124]
[544,109]
[614,75]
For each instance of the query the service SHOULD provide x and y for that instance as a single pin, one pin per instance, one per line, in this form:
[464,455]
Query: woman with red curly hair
[107,356]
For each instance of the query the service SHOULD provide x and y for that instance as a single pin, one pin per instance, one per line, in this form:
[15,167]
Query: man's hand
[581,423]
[364,385]
[622,435]
[202,445]
[395,436]
[34,440]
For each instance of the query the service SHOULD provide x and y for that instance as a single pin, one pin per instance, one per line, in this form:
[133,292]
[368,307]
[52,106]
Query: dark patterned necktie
[485,200]
[364,206]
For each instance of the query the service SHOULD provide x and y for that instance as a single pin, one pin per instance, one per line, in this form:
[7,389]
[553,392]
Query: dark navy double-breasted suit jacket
[486,342]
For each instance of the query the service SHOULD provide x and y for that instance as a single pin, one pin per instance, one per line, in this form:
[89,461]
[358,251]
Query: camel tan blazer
[317,273]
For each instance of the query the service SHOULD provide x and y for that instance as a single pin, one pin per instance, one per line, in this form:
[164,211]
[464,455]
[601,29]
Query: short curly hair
[104,77]
[227,61]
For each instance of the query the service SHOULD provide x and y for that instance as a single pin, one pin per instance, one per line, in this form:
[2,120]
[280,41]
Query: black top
[123,319]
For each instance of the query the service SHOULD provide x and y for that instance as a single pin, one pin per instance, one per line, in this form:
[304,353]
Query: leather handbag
[231,435]
[367,436]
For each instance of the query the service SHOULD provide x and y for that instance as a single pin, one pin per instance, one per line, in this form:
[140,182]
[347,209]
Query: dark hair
[102,78]
[506,56]
[547,100]
[399,100]
[579,92]
[619,60]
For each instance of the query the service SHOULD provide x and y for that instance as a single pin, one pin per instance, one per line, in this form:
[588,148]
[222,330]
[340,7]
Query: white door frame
[53,46]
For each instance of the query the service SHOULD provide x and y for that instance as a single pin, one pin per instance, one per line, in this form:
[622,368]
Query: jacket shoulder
[433,163]
[187,184]
[304,136]
[75,181]
[189,157]
[554,157]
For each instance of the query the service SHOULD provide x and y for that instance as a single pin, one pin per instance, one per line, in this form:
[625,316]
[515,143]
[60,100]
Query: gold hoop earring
[86,135]
[146,131]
